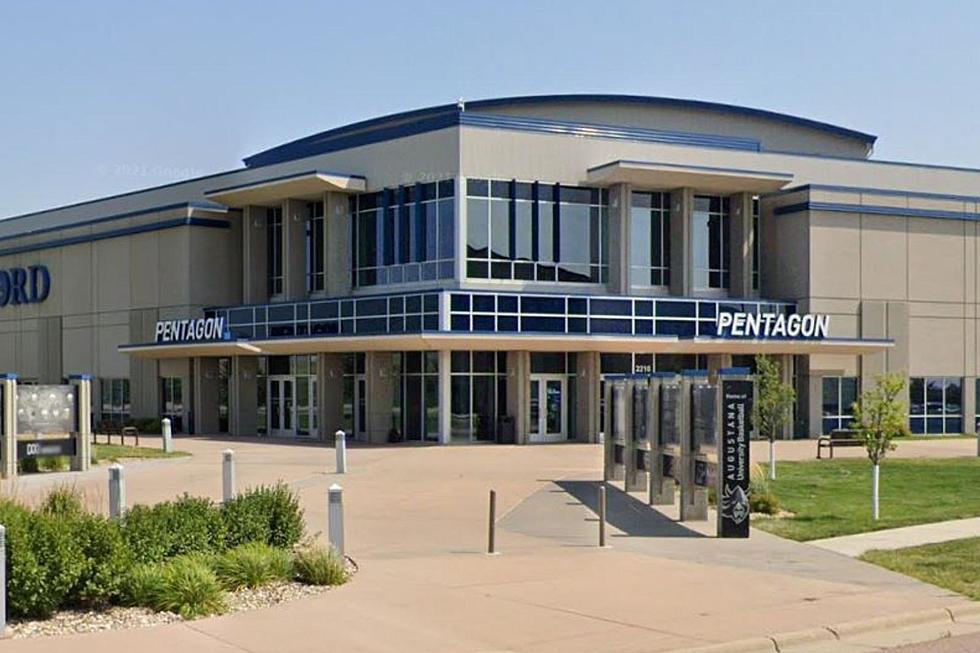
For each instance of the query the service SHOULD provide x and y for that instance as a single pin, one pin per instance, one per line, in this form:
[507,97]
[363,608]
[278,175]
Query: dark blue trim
[682,166]
[294,175]
[875,210]
[889,192]
[105,235]
[193,206]
[10,376]
[735,371]
[694,373]
[80,377]
[662,375]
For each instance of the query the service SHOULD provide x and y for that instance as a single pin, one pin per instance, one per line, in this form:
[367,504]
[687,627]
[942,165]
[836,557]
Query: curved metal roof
[442,115]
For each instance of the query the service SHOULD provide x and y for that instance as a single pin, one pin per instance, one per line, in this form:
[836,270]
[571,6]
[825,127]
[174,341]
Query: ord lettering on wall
[30,285]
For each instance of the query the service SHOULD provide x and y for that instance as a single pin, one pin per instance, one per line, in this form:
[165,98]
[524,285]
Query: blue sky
[104,97]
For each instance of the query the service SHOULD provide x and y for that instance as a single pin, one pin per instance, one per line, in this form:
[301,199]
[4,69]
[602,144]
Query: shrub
[269,514]
[54,464]
[189,524]
[62,501]
[141,585]
[764,502]
[107,561]
[189,588]
[319,565]
[251,565]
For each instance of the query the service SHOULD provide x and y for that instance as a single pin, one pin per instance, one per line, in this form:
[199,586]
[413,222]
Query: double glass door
[547,420]
[292,406]
[355,406]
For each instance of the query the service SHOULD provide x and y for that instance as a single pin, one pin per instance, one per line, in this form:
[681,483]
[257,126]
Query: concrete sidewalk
[900,538]
[417,524]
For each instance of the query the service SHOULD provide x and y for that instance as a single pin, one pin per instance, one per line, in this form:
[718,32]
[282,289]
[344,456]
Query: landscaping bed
[954,565]
[828,498]
[69,570]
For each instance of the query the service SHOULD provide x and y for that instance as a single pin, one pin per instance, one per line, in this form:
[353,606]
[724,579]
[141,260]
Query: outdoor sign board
[670,398]
[703,413]
[46,409]
[197,330]
[772,325]
[46,448]
[733,516]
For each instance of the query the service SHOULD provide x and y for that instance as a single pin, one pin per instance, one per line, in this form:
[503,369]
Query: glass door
[281,406]
[306,417]
[547,411]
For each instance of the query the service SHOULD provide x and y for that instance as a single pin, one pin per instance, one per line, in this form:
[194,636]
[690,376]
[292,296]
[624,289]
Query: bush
[764,501]
[189,524]
[251,565]
[141,585]
[269,514]
[62,502]
[189,588]
[107,561]
[319,565]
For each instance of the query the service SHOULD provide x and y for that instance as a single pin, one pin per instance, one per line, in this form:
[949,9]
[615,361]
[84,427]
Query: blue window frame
[936,405]
[839,395]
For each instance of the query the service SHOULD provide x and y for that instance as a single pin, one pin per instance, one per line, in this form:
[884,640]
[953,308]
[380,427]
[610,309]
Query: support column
[619,239]
[8,425]
[330,391]
[717,362]
[740,241]
[207,395]
[786,376]
[243,396]
[255,265]
[587,406]
[969,404]
[294,249]
[518,378]
[445,396]
[814,403]
[82,460]
[681,263]
[337,241]
[380,389]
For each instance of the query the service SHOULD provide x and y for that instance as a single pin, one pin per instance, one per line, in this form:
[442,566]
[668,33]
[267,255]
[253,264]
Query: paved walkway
[807,449]
[416,521]
[900,538]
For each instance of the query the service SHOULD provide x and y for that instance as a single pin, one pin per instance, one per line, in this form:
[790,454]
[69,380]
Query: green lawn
[833,497]
[954,565]
[114,452]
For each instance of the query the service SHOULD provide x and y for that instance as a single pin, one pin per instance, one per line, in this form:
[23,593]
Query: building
[470,272]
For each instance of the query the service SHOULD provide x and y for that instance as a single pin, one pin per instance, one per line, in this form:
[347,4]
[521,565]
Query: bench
[110,429]
[837,438]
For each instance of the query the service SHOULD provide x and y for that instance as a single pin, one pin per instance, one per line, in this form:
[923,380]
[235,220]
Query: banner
[733,514]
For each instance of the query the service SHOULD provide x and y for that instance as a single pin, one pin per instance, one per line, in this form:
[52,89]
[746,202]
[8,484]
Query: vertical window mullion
[556,225]
[419,237]
[535,210]
[512,224]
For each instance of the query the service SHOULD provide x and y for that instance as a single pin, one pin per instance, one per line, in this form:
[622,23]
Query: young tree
[880,416]
[773,404]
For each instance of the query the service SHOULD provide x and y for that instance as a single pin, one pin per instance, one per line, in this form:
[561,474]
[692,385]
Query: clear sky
[103,97]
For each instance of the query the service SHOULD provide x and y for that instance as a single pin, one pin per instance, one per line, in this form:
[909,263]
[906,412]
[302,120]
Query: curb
[777,642]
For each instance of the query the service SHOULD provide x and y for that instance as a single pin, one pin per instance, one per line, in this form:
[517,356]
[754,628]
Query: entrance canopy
[312,183]
[653,174]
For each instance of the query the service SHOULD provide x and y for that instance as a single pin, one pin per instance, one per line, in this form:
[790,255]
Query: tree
[879,417]
[773,404]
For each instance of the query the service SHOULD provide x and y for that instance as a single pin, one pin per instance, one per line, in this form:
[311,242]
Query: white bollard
[3,582]
[168,439]
[227,475]
[117,491]
[340,444]
[335,517]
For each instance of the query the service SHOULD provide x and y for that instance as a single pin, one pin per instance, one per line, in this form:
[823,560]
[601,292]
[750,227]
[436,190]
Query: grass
[252,565]
[952,565]
[833,497]
[319,565]
[114,452]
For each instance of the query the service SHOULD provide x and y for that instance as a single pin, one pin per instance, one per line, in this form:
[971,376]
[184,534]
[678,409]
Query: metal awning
[301,185]
[652,174]
[503,342]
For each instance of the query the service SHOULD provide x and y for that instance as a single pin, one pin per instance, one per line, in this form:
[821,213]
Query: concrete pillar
[380,389]
[207,395]
[243,396]
[445,396]
[82,460]
[254,264]
[294,249]
[330,387]
[681,262]
[619,238]
[8,425]
[717,362]
[740,245]
[337,222]
[518,378]
[587,405]
[969,404]
[786,376]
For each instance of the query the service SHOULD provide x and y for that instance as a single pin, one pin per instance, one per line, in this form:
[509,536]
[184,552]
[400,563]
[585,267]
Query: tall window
[173,402]
[479,394]
[404,235]
[709,237]
[535,232]
[420,395]
[315,255]
[756,243]
[839,395]
[115,400]
[650,239]
[936,404]
[273,222]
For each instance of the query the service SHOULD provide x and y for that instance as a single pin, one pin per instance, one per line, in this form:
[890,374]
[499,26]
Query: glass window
[273,221]
[419,400]
[936,405]
[756,243]
[173,402]
[115,401]
[839,395]
[315,254]
[709,237]
[650,239]
[479,394]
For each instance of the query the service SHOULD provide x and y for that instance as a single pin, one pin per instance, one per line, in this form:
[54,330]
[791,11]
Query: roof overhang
[310,184]
[502,342]
[652,174]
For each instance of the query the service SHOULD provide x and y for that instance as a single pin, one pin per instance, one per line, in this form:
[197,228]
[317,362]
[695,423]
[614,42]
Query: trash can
[505,430]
